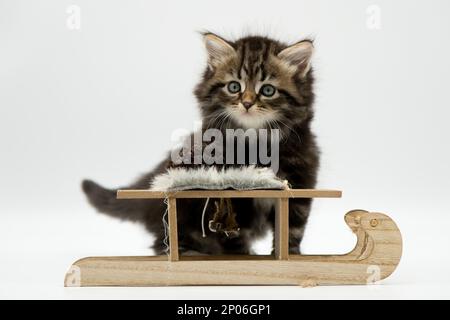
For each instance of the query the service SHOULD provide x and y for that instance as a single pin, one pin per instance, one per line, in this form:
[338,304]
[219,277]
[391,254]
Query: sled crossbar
[291,193]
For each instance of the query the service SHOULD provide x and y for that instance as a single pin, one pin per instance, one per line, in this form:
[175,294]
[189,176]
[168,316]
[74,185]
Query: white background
[102,102]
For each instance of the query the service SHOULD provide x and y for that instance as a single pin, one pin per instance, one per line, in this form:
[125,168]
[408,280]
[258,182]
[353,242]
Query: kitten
[254,82]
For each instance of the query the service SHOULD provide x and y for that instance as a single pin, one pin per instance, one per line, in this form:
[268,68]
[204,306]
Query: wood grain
[281,233]
[292,193]
[375,256]
[173,229]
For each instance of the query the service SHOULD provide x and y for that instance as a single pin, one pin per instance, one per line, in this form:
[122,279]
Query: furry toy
[211,178]
[224,219]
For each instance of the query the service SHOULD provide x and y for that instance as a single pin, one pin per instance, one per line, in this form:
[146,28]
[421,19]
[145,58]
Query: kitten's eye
[234,87]
[267,90]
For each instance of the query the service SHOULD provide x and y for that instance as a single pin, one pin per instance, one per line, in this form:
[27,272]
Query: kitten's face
[255,83]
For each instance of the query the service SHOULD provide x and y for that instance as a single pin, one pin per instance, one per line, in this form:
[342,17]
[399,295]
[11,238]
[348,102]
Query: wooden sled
[375,257]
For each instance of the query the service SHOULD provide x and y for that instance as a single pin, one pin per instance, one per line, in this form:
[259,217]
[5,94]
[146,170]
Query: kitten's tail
[104,200]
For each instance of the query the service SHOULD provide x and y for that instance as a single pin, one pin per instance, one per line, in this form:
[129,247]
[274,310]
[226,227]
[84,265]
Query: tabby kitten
[254,82]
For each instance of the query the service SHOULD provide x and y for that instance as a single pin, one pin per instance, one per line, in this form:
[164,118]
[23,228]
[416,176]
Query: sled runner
[375,256]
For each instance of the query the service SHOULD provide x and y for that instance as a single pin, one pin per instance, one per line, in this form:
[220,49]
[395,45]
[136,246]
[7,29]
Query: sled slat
[292,193]
[173,229]
[281,235]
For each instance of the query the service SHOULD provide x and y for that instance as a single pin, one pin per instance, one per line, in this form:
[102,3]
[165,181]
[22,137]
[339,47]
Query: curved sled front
[375,257]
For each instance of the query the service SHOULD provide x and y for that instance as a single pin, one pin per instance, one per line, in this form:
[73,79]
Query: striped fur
[252,62]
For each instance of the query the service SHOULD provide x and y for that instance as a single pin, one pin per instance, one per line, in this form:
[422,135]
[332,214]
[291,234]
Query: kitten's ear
[218,49]
[299,55]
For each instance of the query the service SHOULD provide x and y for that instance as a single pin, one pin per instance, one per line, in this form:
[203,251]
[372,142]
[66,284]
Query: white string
[203,217]
[166,226]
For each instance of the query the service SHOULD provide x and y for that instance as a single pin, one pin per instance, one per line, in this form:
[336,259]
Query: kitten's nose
[247,105]
[248,99]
